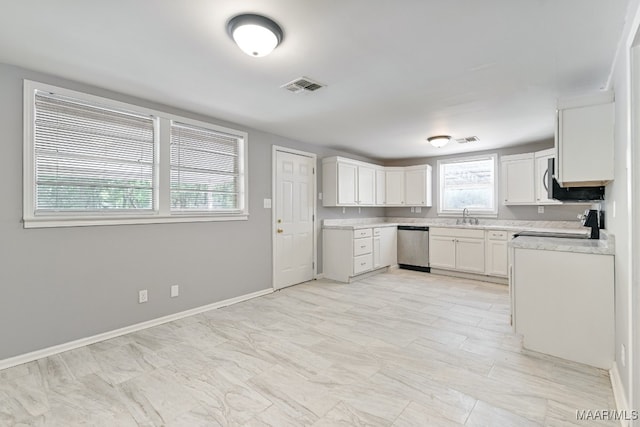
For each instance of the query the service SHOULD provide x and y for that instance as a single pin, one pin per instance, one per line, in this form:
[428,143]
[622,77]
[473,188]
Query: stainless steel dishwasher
[413,247]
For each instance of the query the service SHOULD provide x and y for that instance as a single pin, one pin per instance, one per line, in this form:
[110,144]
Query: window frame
[488,213]
[161,212]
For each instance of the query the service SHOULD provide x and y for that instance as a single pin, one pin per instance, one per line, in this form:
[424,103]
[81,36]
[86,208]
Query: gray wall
[551,213]
[62,284]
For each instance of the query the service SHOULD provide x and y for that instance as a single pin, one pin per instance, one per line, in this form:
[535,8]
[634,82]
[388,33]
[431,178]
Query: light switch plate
[267,203]
[175,291]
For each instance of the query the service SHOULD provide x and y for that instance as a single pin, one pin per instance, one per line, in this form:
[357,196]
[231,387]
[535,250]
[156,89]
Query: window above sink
[468,182]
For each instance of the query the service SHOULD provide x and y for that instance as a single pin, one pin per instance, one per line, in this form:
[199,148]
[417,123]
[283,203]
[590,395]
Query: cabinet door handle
[280,230]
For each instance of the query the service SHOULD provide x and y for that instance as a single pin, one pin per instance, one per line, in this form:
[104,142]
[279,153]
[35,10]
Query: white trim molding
[71,345]
[622,405]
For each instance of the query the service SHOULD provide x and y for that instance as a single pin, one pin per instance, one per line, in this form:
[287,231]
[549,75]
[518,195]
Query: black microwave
[570,194]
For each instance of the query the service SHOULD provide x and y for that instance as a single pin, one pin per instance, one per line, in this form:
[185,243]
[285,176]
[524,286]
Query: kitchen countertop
[356,224]
[603,246]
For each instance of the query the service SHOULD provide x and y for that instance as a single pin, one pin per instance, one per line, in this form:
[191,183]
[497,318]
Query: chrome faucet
[465,215]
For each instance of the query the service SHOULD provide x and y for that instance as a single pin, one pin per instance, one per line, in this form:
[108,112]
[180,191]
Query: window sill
[52,222]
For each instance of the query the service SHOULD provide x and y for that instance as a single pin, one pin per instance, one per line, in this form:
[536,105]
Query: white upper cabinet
[366,185]
[518,179]
[418,187]
[584,141]
[542,175]
[348,182]
[381,189]
[395,186]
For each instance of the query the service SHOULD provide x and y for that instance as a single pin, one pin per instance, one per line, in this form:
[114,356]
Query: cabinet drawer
[362,263]
[497,235]
[376,231]
[362,246]
[457,232]
[364,232]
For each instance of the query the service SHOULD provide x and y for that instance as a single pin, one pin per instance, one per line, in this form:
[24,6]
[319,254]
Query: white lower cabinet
[385,246]
[563,304]
[496,252]
[457,249]
[442,251]
[470,254]
[348,253]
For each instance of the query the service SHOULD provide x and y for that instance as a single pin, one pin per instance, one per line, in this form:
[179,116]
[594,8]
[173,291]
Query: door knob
[279,221]
[280,230]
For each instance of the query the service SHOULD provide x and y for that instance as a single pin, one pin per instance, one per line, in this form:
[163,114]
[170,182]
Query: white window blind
[91,159]
[468,183]
[206,169]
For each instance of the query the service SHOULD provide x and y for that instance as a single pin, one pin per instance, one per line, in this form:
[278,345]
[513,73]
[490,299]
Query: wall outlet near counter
[540,209]
[143,296]
[175,291]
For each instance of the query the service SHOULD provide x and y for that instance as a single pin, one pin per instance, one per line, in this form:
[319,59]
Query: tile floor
[396,349]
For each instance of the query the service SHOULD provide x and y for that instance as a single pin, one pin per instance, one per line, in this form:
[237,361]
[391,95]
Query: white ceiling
[397,71]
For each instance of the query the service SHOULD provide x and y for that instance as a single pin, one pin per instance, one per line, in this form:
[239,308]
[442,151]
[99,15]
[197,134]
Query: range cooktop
[552,234]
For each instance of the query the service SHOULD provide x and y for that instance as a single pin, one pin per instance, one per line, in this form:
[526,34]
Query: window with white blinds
[94,161]
[468,183]
[205,169]
[91,159]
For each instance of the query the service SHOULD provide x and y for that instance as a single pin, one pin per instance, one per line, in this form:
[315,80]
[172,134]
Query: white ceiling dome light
[439,140]
[256,35]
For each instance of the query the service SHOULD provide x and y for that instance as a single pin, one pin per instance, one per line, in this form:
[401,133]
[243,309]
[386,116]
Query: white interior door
[294,216]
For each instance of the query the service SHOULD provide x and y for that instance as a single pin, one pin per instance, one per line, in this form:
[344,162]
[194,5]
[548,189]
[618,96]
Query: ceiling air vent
[302,84]
[467,139]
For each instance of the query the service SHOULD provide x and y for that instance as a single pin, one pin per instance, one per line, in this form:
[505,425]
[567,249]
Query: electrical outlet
[623,355]
[412,210]
[540,209]
[175,291]
[319,196]
[344,210]
[418,209]
[143,296]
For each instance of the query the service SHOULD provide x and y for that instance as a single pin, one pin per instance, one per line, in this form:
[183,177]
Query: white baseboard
[619,395]
[50,351]
[472,276]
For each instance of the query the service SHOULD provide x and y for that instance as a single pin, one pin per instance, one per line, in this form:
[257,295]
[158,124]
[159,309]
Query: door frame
[313,156]
[633,188]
